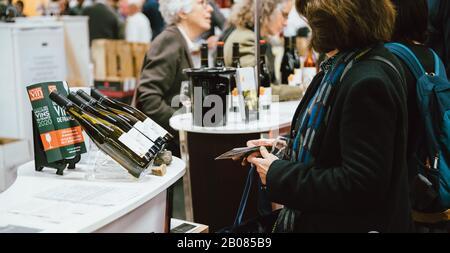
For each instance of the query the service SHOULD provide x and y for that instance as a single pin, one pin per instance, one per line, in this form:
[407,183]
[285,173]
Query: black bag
[264,222]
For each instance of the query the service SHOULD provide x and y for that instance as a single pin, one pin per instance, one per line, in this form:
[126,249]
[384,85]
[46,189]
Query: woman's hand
[260,142]
[254,143]
[262,164]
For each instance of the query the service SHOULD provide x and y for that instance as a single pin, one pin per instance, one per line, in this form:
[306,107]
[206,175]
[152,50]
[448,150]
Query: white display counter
[46,202]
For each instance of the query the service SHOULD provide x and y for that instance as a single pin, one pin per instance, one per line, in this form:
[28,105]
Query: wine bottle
[204,56]
[236,60]
[136,123]
[122,122]
[233,87]
[294,50]
[109,138]
[309,68]
[220,61]
[129,110]
[100,113]
[297,76]
[287,62]
[96,104]
[138,119]
[265,90]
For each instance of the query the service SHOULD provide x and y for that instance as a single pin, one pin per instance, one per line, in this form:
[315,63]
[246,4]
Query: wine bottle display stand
[40,160]
[101,167]
[128,141]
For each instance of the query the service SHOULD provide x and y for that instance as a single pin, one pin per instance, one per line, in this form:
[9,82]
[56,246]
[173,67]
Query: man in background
[138,27]
[103,22]
[151,10]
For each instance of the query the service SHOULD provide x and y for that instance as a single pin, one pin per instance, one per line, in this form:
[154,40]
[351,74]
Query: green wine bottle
[117,120]
[133,111]
[109,138]
[140,121]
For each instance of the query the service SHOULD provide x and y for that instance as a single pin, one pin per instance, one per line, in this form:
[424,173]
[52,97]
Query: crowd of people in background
[125,19]
[128,20]
[135,20]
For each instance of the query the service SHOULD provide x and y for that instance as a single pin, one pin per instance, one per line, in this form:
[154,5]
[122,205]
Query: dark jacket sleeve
[439,29]
[158,75]
[118,28]
[446,30]
[367,131]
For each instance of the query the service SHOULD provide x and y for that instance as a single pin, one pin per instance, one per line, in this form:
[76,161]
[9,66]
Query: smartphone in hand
[278,149]
[239,152]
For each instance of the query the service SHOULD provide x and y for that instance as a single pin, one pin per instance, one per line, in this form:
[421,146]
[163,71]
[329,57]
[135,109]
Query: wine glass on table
[185,95]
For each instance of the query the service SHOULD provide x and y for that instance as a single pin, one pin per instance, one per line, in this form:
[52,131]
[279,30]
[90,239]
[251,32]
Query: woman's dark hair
[349,24]
[412,20]
[300,5]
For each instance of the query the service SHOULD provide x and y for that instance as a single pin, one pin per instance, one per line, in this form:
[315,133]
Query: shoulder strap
[244,198]
[392,66]
[438,66]
[408,57]
[379,58]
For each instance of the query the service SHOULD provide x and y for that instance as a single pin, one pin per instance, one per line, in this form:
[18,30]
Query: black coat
[439,30]
[103,22]
[358,182]
[151,10]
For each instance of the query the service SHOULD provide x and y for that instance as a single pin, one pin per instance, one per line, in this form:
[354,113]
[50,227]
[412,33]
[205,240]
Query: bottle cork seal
[160,171]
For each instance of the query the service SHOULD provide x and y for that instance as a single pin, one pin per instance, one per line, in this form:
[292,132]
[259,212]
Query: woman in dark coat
[346,166]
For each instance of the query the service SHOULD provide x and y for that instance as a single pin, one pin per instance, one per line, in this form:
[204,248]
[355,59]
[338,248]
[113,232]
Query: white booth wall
[33,50]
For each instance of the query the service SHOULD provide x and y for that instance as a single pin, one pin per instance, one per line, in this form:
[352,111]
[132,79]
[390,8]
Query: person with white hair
[137,27]
[169,54]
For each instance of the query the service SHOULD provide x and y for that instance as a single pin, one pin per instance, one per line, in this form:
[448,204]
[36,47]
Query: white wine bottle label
[266,97]
[140,138]
[129,141]
[157,128]
[147,131]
